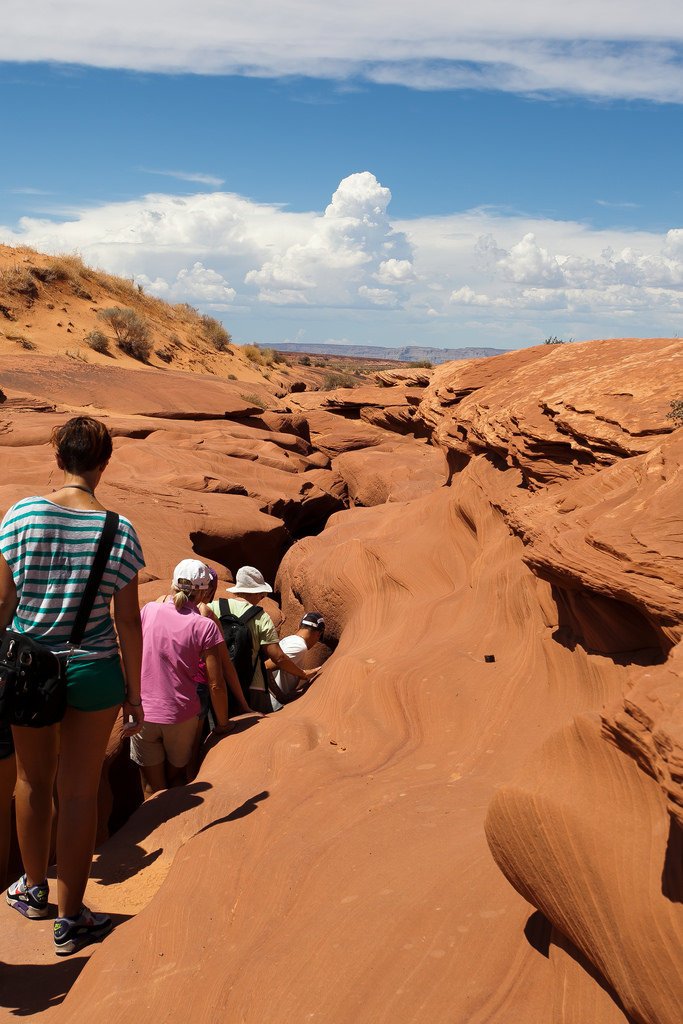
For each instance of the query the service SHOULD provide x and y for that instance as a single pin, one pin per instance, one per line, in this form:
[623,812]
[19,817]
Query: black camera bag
[32,678]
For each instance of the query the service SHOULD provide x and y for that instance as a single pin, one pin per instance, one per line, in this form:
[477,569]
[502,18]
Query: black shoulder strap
[111,525]
[253,613]
[248,617]
[224,611]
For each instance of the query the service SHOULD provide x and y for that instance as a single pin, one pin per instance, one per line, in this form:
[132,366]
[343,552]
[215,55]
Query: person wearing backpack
[251,636]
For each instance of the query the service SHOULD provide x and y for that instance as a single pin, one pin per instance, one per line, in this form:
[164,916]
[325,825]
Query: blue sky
[371,197]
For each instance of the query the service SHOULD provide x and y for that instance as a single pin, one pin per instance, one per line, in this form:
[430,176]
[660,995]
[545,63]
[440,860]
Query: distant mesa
[403,354]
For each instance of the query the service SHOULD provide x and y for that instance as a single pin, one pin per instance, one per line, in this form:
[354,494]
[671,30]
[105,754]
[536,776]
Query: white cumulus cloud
[192,284]
[606,48]
[472,276]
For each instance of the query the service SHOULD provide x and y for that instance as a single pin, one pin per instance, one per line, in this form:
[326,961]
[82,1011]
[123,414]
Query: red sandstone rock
[336,852]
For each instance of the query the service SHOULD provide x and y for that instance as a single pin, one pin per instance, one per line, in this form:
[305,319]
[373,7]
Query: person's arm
[8,595]
[278,659]
[129,629]
[219,694]
[232,679]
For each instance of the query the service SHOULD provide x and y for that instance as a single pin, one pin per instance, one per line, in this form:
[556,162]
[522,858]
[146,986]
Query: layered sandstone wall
[349,859]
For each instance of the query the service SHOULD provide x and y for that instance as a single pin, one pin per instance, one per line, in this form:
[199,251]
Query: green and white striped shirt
[50,551]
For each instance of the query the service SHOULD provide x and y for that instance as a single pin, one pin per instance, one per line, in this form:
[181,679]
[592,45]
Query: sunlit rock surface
[488,597]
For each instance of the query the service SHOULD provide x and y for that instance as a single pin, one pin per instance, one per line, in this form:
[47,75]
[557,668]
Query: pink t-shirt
[173,644]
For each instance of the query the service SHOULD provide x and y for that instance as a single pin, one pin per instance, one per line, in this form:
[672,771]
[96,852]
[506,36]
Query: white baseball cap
[249,581]
[190,575]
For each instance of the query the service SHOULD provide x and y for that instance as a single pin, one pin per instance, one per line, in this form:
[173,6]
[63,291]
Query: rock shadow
[537,932]
[27,989]
[248,807]
[117,861]
[606,626]
[542,935]
[672,872]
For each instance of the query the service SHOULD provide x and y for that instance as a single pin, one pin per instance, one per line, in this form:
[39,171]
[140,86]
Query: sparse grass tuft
[131,331]
[676,413]
[216,333]
[254,400]
[98,342]
[421,364]
[253,354]
[331,381]
[19,281]
[22,341]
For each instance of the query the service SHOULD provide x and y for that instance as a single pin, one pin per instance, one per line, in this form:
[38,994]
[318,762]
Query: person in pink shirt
[176,638]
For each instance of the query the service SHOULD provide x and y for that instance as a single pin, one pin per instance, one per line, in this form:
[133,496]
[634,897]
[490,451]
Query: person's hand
[133,718]
[222,730]
[311,673]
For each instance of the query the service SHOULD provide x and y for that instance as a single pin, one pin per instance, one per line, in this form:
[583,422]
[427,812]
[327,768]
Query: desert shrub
[216,333]
[131,331]
[20,281]
[23,342]
[337,380]
[98,342]
[81,357]
[305,360]
[80,292]
[254,400]
[253,354]
[232,376]
[165,354]
[319,362]
[186,309]
[278,357]
[421,364]
[676,413]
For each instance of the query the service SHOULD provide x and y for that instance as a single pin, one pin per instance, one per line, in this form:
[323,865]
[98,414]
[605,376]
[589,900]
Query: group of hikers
[181,667]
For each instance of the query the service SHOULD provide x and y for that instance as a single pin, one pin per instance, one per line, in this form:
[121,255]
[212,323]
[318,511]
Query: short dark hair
[82,443]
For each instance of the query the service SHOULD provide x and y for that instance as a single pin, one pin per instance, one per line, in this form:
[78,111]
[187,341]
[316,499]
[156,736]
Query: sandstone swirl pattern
[348,859]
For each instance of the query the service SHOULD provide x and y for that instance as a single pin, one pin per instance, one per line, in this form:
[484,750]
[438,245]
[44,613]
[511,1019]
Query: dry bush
[97,341]
[254,400]
[215,332]
[676,413]
[165,354]
[253,354]
[131,331]
[19,281]
[23,341]
[331,381]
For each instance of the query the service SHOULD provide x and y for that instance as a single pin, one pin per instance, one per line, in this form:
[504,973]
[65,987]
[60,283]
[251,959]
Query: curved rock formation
[331,862]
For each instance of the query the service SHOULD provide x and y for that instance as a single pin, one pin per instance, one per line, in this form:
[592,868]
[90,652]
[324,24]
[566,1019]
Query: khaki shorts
[157,743]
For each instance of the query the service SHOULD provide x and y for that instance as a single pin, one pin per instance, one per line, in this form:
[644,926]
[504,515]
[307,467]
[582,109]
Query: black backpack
[238,641]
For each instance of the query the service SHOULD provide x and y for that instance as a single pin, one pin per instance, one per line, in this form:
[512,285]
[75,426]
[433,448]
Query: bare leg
[153,777]
[37,751]
[8,775]
[176,776]
[84,739]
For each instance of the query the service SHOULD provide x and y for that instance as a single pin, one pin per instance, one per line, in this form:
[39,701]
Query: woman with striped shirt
[47,548]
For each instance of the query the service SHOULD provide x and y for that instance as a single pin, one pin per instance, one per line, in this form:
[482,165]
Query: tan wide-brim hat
[249,581]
